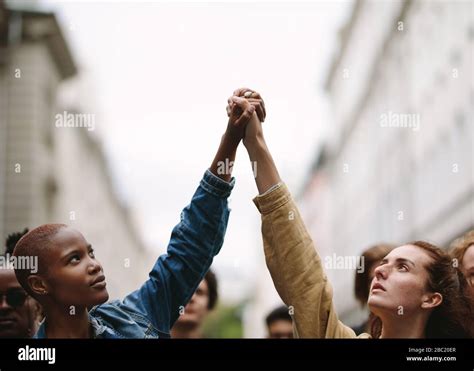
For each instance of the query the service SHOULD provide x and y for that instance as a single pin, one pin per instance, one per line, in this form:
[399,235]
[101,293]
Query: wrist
[230,138]
[254,142]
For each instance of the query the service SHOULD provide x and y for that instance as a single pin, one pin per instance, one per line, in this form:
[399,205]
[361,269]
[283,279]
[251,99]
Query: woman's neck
[60,323]
[408,327]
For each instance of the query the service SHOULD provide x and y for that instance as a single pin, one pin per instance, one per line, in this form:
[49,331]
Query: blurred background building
[57,174]
[399,163]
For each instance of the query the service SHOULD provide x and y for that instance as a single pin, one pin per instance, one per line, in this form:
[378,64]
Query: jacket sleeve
[296,267]
[194,242]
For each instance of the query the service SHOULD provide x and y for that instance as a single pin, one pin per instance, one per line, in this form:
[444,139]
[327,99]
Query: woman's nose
[381,272]
[94,267]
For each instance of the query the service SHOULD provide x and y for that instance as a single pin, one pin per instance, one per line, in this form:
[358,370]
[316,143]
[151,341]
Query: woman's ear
[431,300]
[37,285]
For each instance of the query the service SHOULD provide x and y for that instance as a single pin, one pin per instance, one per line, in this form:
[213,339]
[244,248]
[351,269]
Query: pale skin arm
[266,171]
[290,254]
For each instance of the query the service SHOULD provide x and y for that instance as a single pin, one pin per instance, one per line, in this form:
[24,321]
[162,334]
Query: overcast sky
[158,75]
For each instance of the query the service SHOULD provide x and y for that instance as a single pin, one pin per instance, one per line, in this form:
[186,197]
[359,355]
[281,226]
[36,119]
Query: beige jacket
[296,267]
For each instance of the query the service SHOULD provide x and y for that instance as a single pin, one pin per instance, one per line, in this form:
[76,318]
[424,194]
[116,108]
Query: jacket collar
[97,328]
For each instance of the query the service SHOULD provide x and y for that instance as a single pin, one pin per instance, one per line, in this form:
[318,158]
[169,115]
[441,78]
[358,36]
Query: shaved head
[36,243]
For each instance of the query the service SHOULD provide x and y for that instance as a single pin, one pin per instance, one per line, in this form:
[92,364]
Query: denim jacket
[151,311]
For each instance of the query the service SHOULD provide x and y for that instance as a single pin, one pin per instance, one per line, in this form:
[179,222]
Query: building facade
[51,173]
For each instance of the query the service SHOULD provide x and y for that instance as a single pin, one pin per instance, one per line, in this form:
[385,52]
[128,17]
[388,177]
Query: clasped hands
[246,112]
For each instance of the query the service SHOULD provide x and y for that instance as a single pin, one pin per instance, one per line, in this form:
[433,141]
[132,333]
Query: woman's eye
[74,259]
[91,254]
[403,267]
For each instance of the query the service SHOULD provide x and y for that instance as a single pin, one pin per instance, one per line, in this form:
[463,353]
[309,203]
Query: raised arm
[290,254]
[196,239]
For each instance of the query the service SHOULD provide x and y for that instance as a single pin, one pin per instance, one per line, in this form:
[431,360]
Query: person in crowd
[190,322]
[20,314]
[462,253]
[279,323]
[462,249]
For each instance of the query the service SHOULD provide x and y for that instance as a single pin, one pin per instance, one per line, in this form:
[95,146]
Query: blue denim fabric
[151,311]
